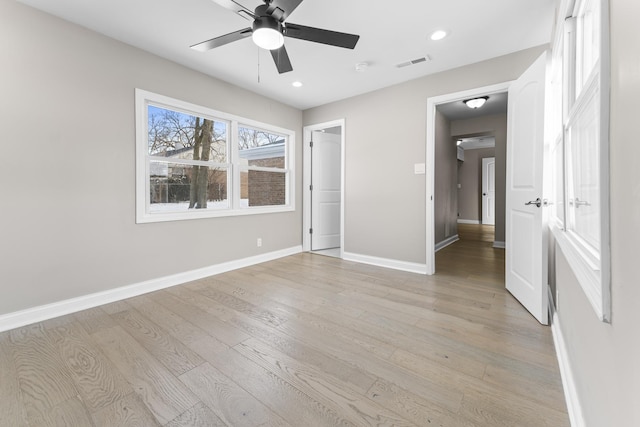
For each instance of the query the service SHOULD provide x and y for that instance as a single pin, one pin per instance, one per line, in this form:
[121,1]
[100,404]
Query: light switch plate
[419,169]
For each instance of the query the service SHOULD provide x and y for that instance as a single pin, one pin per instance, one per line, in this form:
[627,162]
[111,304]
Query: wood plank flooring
[306,340]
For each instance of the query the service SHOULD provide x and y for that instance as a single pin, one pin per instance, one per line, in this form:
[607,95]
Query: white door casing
[432,103]
[526,246]
[489,190]
[307,133]
[325,193]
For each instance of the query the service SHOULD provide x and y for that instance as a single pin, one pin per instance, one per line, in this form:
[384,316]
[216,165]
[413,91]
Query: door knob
[536,202]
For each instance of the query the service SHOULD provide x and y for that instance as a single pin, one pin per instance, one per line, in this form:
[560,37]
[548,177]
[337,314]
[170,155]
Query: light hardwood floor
[307,340]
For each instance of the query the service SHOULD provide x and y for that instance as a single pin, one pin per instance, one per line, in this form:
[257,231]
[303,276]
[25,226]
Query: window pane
[183,136]
[584,175]
[259,188]
[175,187]
[557,175]
[261,148]
[588,42]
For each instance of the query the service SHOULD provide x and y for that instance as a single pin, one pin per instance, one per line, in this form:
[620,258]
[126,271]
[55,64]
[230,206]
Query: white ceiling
[391,32]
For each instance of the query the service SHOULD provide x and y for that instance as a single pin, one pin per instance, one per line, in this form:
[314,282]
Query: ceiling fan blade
[319,35]
[222,40]
[280,9]
[236,7]
[281,58]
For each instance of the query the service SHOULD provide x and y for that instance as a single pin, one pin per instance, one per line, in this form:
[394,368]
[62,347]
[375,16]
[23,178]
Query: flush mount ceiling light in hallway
[476,102]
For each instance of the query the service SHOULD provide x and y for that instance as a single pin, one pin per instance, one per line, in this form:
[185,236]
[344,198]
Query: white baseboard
[574,408]
[446,242]
[61,308]
[468,221]
[499,245]
[385,262]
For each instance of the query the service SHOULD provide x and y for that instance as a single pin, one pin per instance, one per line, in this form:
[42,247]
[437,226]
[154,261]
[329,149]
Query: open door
[325,190]
[526,246]
[489,191]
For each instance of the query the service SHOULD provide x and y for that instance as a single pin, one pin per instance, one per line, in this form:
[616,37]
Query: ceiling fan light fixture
[267,33]
[476,102]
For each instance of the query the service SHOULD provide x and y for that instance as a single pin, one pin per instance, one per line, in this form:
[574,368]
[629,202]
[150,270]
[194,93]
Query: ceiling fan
[269,30]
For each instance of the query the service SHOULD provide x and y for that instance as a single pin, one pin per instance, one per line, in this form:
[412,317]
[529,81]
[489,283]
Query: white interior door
[526,246]
[325,194]
[489,190]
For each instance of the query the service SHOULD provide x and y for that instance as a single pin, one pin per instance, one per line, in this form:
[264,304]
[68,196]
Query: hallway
[473,257]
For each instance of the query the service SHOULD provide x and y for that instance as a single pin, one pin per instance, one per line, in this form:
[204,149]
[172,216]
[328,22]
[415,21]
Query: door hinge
[311,144]
[311,231]
[311,187]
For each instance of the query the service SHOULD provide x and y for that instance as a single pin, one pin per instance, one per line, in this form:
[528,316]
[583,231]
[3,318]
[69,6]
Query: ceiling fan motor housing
[266,22]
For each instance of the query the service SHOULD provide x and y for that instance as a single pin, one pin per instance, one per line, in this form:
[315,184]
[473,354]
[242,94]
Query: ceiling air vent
[413,62]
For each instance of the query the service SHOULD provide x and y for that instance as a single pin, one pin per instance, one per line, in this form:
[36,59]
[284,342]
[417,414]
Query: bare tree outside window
[182,136]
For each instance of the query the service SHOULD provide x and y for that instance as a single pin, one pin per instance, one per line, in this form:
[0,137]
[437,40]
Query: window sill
[144,217]
[589,278]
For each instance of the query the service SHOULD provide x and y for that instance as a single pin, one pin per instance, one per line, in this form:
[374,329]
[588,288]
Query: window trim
[142,100]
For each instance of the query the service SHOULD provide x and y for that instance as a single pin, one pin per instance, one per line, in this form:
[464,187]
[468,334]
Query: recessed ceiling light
[438,35]
[296,84]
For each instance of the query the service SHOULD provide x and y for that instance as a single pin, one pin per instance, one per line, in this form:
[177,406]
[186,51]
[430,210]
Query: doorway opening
[457,142]
[526,243]
[477,189]
[323,183]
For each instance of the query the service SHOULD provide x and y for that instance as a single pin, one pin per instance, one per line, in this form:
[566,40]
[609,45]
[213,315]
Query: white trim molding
[574,408]
[395,264]
[446,242]
[469,221]
[586,274]
[306,179]
[48,311]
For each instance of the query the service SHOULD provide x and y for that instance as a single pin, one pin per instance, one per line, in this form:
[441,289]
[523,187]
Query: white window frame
[145,98]
[590,265]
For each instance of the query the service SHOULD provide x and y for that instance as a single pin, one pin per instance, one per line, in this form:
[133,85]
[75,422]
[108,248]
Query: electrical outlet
[259,242]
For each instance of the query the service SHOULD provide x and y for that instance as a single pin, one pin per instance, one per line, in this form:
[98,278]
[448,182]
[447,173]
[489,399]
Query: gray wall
[67,178]
[385,136]
[445,198]
[470,180]
[605,358]
[496,126]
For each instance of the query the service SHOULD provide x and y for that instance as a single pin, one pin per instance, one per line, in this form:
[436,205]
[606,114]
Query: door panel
[526,256]
[326,195]
[489,191]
